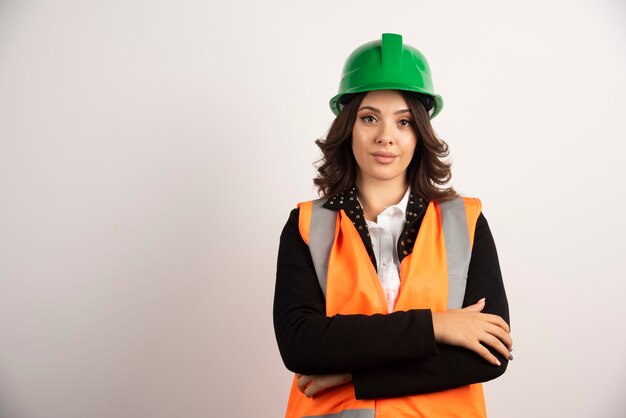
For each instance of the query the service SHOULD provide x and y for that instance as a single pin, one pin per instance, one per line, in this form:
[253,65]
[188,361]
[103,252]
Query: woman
[389,300]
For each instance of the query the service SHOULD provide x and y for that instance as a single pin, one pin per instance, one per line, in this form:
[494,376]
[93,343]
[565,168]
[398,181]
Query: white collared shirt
[384,234]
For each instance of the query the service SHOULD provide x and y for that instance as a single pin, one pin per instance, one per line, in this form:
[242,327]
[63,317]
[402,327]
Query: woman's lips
[384,157]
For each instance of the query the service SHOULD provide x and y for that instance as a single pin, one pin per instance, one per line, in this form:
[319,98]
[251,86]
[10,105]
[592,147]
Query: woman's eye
[368,118]
[405,122]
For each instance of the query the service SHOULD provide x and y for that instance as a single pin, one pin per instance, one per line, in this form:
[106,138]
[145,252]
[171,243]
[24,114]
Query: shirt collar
[343,200]
[413,210]
[349,199]
[401,205]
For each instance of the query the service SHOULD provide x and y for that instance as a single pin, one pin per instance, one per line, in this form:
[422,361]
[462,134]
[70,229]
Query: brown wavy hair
[427,173]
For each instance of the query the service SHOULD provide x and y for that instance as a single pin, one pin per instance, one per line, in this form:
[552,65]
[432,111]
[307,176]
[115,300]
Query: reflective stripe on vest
[321,237]
[456,238]
[347,413]
[458,249]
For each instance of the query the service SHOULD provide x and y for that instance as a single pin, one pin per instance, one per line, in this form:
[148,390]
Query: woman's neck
[376,195]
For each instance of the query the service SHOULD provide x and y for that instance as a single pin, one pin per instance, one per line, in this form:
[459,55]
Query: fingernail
[481,300]
[510,356]
[498,362]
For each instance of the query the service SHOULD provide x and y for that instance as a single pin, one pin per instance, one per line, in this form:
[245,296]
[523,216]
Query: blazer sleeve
[312,343]
[452,366]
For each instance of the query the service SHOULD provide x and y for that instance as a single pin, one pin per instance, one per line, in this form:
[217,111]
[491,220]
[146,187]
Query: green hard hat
[387,65]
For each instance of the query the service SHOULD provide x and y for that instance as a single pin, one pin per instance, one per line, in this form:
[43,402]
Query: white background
[150,153]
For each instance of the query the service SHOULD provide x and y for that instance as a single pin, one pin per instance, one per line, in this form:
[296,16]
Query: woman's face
[383,138]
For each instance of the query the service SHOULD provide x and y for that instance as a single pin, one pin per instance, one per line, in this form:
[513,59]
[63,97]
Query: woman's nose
[385,135]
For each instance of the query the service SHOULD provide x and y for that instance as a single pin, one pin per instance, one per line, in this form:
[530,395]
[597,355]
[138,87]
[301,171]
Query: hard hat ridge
[391,51]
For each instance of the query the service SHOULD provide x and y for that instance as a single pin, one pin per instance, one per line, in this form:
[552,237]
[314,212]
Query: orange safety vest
[436,281]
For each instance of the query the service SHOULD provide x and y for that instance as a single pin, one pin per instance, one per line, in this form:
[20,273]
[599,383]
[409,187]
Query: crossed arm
[398,354]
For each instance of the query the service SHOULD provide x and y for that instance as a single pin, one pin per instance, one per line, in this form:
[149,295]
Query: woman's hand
[468,328]
[311,385]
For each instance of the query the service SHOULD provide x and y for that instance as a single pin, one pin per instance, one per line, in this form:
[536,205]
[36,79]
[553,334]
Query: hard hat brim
[336,105]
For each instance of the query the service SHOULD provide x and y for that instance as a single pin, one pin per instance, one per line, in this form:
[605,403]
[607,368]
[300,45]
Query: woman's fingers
[497,320]
[303,381]
[477,307]
[312,389]
[311,385]
[494,319]
[482,351]
[497,338]
[496,344]
[469,328]
[501,335]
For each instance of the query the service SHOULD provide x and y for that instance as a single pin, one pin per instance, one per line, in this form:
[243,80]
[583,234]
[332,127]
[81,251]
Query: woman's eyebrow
[373,109]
